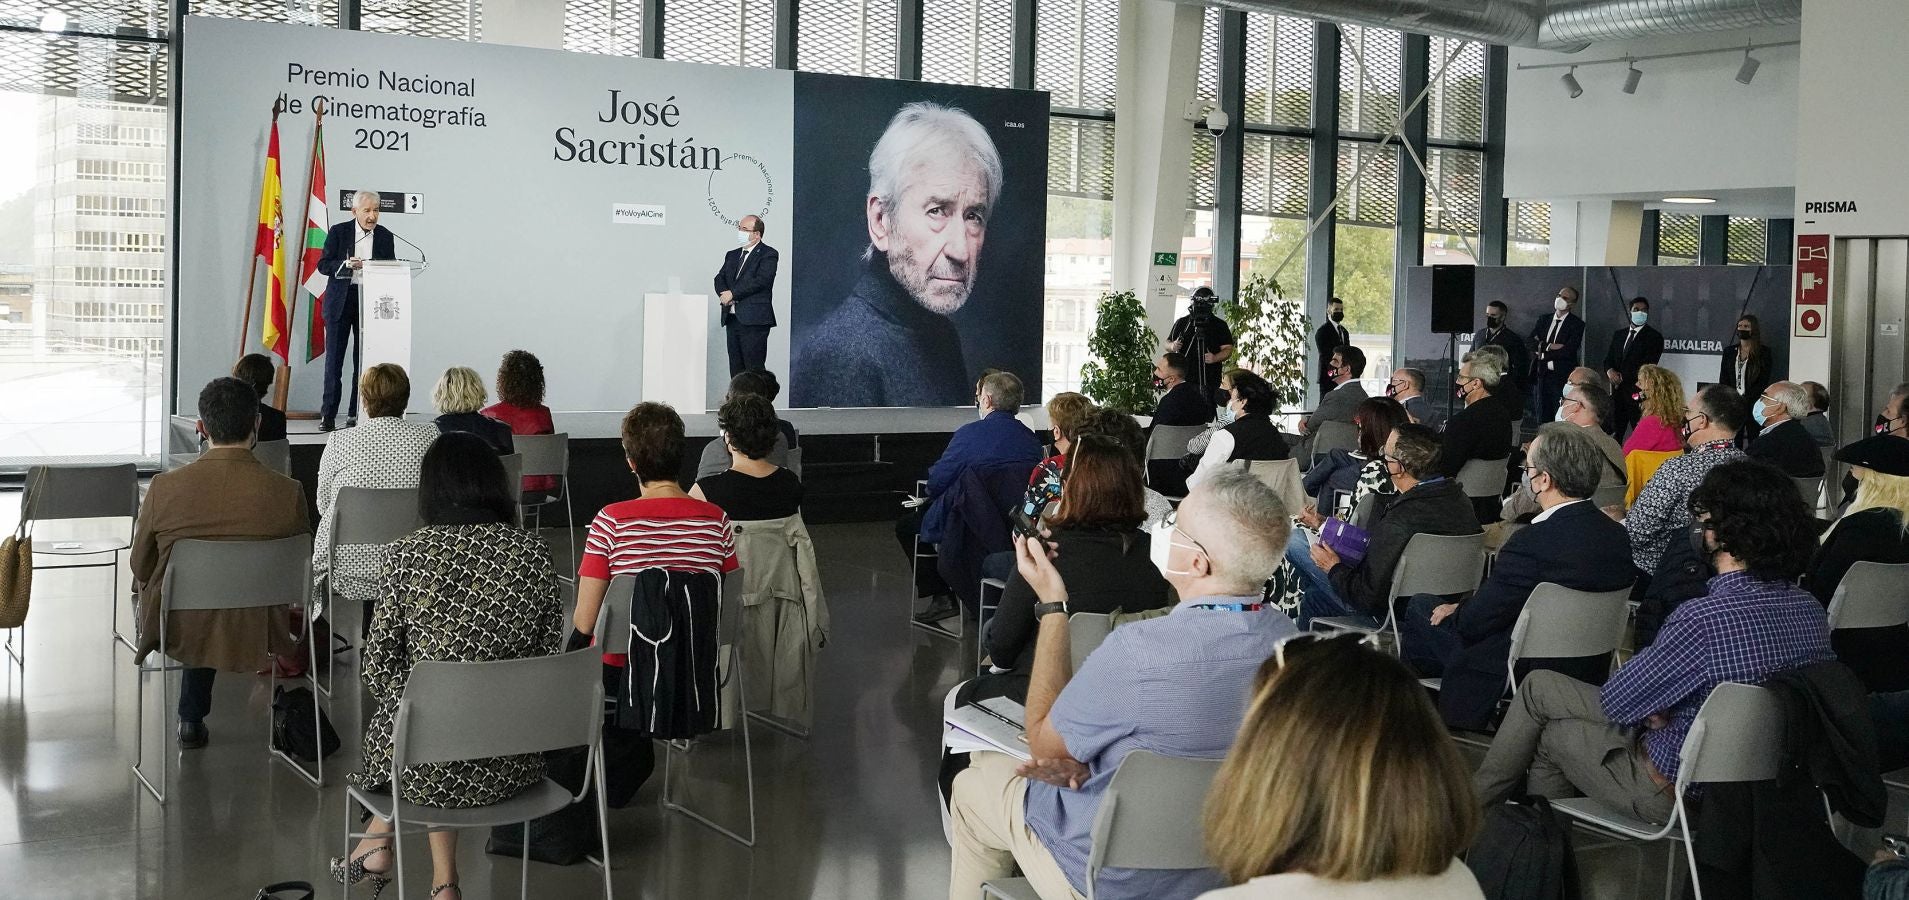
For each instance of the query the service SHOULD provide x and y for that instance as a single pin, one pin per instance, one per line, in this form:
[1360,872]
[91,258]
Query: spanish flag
[269,244]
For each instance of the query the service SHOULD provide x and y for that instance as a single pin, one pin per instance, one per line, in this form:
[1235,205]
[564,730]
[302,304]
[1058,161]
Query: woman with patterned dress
[467,587]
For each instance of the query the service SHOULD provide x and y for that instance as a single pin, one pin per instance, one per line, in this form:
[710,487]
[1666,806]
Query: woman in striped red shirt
[663,528]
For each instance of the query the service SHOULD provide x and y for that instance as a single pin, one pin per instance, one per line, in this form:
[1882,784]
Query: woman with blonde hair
[1661,400]
[458,396]
[1065,412]
[1342,784]
[1872,529]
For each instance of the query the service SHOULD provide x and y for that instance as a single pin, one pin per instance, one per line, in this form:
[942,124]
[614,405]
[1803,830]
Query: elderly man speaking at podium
[347,246]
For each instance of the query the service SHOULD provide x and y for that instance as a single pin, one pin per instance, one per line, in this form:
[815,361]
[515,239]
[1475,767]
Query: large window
[967,42]
[1453,181]
[1075,60]
[614,27]
[1364,271]
[725,32]
[1529,240]
[847,37]
[1678,239]
[1273,198]
[1748,241]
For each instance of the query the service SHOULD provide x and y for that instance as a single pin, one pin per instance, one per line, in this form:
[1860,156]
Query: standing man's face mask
[1639,317]
[1560,304]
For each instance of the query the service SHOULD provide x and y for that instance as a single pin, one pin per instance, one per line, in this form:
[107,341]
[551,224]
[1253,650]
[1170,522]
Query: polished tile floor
[849,813]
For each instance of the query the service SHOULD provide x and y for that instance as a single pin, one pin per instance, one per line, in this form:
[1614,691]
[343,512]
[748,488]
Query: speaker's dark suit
[1550,369]
[751,281]
[341,307]
[1628,353]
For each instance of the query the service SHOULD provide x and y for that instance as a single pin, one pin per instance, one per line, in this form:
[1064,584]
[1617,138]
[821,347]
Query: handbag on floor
[286,890]
[16,569]
[1523,852]
[292,725]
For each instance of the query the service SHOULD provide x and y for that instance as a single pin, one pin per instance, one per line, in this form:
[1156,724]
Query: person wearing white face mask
[1559,338]
[1784,442]
[745,287]
[1632,348]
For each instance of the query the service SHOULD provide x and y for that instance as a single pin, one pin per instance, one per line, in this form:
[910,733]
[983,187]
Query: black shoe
[327,425]
[192,735]
[351,421]
[941,607]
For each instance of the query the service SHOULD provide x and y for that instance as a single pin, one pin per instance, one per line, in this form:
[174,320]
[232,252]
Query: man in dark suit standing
[1499,333]
[1330,336]
[347,246]
[745,286]
[1559,338]
[1632,348]
[1571,543]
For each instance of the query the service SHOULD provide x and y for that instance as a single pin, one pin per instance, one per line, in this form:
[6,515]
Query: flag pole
[282,390]
[252,276]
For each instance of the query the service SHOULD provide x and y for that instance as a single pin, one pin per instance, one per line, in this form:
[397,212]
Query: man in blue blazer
[745,286]
[1571,543]
[347,246]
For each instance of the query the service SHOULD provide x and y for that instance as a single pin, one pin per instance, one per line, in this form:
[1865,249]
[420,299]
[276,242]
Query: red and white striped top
[682,534]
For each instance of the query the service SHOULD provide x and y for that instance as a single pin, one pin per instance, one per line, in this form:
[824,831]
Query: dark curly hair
[1758,517]
[653,442]
[750,422]
[520,379]
[1254,393]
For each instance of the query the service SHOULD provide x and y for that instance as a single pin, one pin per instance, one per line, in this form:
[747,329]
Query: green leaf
[1119,371]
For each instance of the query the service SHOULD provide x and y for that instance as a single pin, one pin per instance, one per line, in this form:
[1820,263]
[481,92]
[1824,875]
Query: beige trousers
[991,837]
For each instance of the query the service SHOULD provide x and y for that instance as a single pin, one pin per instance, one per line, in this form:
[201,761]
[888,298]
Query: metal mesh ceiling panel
[724,32]
[1373,197]
[1277,177]
[1369,104]
[1531,222]
[1075,51]
[968,42]
[1209,82]
[1080,158]
[847,37]
[1678,236]
[1279,62]
[1456,207]
[614,27]
[1201,186]
[1748,239]
[455,20]
[293,12]
[1455,108]
[128,71]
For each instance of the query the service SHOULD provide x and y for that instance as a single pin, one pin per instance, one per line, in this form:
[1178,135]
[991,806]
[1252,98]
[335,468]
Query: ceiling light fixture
[1690,200]
[1570,81]
[1748,70]
[1631,78]
[53,21]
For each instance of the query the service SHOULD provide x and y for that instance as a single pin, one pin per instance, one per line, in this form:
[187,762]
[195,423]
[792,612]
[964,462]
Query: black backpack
[292,725]
[1523,852]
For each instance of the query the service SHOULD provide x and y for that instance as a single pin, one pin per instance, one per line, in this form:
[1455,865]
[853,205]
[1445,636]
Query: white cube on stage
[676,349]
[384,311]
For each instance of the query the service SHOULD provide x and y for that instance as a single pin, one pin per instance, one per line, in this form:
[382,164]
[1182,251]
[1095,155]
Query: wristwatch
[1043,610]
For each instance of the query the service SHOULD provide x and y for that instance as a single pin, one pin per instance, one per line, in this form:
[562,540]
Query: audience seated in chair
[226,494]
[1183,404]
[1176,685]
[1252,434]
[1065,412]
[381,451]
[761,383]
[1343,369]
[469,586]
[1783,440]
[520,404]
[1099,552]
[1661,514]
[998,439]
[1817,421]
[752,488]
[1482,430]
[1661,403]
[256,370]
[1407,386]
[1315,803]
[1128,434]
[458,396]
[1426,504]
[1222,417]
[1621,745]
[1356,472]
[1571,543]
[1589,408]
[1871,530]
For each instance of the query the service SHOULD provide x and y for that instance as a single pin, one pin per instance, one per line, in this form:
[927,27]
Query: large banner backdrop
[552,191]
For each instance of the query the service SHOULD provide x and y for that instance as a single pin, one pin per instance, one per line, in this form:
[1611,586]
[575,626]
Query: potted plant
[1119,375]
[1269,336]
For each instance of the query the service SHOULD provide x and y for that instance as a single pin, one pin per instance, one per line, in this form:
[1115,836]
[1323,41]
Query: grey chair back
[238,574]
[543,454]
[474,710]
[1809,489]
[374,515]
[275,455]
[1558,622]
[1282,475]
[1150,816]
[81,492]
[1871,595]
[1440,564]
[613,630]
[1484,477]
[1335,435]
[795,461]
[1737,736]
[513,475]
[1362,514]
[1609,495]
[183,444]
[1086,631]
[1169,441]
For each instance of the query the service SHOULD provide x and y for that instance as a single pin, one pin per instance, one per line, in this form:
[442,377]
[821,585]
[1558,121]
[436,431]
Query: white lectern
[384,311]
[676,349]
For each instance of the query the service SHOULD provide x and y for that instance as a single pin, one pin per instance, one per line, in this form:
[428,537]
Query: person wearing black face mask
[1499,333]
[1330,336]
[1746,365]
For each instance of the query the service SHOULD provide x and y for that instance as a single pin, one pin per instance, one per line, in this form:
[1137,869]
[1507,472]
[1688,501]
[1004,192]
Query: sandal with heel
[448,886]
[354,871]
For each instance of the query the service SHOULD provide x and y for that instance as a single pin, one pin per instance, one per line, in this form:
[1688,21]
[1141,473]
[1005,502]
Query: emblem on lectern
[386,307]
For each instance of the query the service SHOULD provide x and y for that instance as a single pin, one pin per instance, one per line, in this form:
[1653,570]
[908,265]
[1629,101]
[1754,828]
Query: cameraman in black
[1203,337]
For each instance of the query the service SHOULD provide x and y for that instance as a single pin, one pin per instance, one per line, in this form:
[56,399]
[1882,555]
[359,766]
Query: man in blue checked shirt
[1621,746]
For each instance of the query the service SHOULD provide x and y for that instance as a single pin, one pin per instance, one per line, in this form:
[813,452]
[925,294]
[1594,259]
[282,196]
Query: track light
[1631,78]
[1748,70]
[1571,84]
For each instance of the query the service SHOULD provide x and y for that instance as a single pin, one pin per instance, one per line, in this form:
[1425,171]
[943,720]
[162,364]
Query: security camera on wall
[1216,122]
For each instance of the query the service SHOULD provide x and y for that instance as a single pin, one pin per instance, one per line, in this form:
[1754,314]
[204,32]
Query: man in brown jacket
[226,495]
